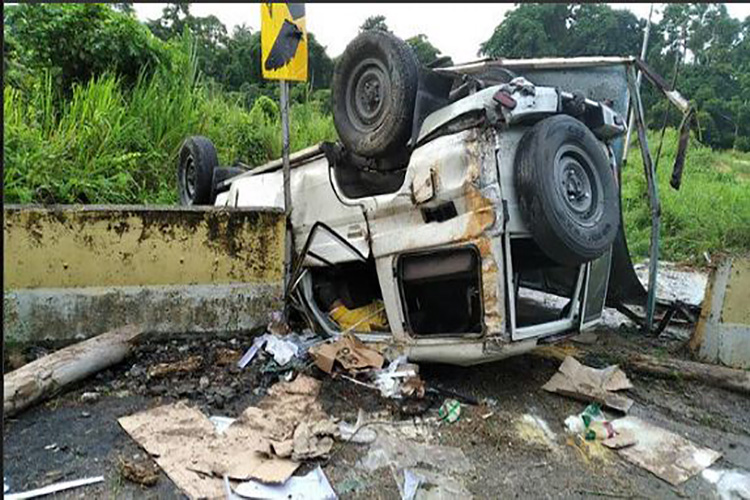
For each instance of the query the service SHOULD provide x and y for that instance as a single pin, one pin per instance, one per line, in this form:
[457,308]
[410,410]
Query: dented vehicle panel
[445,256]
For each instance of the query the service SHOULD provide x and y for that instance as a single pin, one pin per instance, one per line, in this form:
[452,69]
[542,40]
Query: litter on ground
[187,446]
[312,486]
[53,488]
[589,384]
[665,454]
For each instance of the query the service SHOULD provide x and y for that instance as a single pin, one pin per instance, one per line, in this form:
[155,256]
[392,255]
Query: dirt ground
[76,435]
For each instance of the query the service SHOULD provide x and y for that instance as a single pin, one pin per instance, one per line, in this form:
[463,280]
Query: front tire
[195,171]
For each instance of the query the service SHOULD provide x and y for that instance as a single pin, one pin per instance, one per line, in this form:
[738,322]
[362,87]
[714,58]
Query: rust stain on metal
[493,316]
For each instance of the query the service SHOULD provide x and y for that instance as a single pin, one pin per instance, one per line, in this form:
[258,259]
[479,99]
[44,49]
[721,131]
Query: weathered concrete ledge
[71,272]
[67,314]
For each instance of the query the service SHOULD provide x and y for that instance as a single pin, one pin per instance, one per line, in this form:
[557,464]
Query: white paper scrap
[54,488]
[312,486]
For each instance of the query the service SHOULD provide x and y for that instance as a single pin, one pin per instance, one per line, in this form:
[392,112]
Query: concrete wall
[72,272]
[723,331]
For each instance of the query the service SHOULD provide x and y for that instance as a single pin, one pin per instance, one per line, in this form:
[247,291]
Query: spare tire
[566,190]
[195,171]
[374,89]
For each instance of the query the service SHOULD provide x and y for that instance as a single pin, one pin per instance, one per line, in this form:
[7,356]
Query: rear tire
[195,171]
[566,190]
[374,90]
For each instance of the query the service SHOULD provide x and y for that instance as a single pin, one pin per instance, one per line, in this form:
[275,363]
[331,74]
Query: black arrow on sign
[284,47]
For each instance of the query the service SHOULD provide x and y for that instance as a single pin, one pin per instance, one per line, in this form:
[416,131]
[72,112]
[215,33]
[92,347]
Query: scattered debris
[226,357]
[187,365]
[48,375]
[145,472]
[54,488]
[313,439]
[535,430]
[221,423]
[399,378]
[450,411]
[90,397]
[357,433]
[730,484]
[586,338]
[189,450]
[589,384]
[665,454]
[348,350]
[251,352]
[442,467]
[412,482]
[621,439]
[282,350]
[312,486]
[277,326]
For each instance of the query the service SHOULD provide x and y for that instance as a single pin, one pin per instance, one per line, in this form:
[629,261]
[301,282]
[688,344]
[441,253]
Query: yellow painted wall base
[71,246]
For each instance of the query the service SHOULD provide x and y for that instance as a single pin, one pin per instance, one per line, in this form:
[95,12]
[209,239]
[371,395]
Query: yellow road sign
[283,39]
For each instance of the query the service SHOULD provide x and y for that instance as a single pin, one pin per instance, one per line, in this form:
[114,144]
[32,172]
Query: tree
[564,30]
[320,66]
[529,30]
[426,52]
[78,41]
[374,23]
[210,35]
[124,7]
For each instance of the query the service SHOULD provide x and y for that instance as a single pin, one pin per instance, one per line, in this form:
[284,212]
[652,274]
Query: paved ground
[68,439]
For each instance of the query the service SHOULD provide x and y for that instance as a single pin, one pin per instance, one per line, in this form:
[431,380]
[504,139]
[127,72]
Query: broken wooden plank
[720,376]
[46,376]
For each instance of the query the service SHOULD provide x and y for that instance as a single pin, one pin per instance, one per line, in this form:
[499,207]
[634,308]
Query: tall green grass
[113,144]
[710,213]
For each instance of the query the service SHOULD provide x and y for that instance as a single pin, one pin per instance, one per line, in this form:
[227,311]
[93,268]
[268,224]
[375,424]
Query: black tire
[566,190]
[195,171]
[374,89]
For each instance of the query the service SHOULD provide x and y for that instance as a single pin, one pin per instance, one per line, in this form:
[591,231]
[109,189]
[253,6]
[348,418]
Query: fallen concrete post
[46,376]
[728,378]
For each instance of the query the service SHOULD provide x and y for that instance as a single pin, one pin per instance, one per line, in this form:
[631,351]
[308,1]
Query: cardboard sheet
[663,453]
[348,350]
[590,384]
[186,445]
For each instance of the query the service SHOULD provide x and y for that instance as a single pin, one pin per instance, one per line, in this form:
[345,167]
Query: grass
[710,213]
[112,144]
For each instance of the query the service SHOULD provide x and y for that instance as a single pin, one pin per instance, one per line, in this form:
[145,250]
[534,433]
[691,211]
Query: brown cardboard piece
[348,350]
[590,384]
[185,445]
[663,453]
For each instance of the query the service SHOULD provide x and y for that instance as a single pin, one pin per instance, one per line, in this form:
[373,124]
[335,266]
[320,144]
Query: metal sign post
[284,58]
[284,87]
